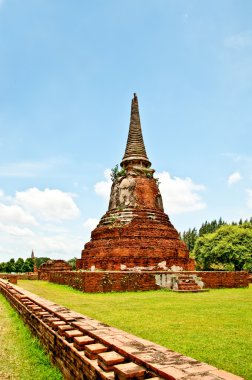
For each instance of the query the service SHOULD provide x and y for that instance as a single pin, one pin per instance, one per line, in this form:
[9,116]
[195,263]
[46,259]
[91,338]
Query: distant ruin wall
[19,276]
[120,281]
[52,265]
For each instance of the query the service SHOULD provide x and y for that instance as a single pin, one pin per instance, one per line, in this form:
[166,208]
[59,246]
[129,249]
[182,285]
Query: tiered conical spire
[135,232]
[135,150]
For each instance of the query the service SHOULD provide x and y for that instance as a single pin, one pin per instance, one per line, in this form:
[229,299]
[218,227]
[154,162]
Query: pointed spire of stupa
[135,152]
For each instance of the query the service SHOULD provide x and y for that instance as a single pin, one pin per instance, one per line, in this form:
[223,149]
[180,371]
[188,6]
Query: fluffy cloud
[48,204]
[15,230]
[15,214]
[90,223]
[29,220]
[234,177]
[103,188]
[180,195]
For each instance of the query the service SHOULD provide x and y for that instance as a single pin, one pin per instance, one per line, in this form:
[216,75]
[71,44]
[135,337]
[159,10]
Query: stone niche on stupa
[135,233]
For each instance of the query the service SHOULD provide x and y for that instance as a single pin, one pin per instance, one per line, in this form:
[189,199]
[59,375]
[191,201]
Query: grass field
[215,327]
[21,356]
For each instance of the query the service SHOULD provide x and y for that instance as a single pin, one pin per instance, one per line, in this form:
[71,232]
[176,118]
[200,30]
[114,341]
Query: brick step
[81,341]
[107,360]
[188,287]
[92,350]
[189,282]
[63,328]
[56,324]
[129,371]
[71,334]
[190,290]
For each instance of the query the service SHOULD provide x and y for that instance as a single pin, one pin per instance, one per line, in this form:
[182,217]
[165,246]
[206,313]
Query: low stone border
[84,348]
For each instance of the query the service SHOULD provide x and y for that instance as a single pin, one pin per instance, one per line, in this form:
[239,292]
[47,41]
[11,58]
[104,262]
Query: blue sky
[67,74]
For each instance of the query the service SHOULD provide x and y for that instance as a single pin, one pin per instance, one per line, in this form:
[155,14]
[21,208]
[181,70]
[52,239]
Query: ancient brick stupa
[135,232]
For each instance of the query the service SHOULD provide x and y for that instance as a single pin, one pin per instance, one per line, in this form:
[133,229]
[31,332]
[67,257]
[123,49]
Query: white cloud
[90,223]
[1,193]
[48,204]
[56,246]
[29,220]
[16,231]
[15,214]
[234,177]
[249,203]
[240,40]
[103,188]
[180,195]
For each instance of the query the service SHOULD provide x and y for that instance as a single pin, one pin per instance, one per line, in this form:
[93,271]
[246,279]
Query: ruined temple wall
[19,276]
[120,281]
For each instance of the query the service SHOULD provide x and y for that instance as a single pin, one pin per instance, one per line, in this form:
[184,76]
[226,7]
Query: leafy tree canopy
[41,260]
[228,248]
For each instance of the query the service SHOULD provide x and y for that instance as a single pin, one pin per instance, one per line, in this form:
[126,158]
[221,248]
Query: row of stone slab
[85,348]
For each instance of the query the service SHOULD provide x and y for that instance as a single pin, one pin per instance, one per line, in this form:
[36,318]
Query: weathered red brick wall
[43,275]
[105,281]
[61,332]
[133,281]
[52,265]
[223,279]
[20,276]
[12,278]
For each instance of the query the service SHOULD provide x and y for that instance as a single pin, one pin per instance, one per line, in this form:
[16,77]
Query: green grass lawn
[214,327]
[21,356]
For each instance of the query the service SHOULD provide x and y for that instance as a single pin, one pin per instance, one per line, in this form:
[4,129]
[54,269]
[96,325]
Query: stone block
[71,334]
[81,341]
[55,324]
[92,350]
[129,371]
[63,328]
[107,360]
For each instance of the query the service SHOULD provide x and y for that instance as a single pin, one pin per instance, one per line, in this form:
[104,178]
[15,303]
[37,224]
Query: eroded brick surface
[132,281]
[52,265]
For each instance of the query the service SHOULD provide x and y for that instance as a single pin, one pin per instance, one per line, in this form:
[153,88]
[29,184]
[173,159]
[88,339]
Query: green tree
[190,237]
[228,248]
[10,266]
[19,264]
[41,260]
[209,227]
[2,267]
[28,265]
